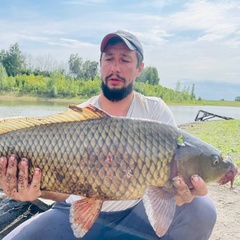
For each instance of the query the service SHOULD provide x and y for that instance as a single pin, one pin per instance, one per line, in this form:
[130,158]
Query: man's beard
[115,95]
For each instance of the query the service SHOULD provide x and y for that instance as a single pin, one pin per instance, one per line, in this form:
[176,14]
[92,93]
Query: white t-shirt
[152,108]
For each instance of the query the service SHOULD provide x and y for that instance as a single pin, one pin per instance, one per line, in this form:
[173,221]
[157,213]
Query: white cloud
[71,43]
[210,37]
[212,18]
[190,39]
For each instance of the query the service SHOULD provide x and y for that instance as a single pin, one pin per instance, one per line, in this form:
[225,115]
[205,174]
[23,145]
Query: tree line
[78,78]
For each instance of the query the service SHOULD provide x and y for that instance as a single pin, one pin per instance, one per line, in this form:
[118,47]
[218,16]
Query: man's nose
[115,67]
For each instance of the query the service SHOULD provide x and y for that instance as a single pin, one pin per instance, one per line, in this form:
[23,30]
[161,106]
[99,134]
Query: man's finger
[35,185]
[199,186]
[34,191]
[3,168]
[11,174]
[23,175]
[28,192]
[184,195]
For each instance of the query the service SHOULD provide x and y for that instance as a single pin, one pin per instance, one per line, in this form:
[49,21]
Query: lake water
[186,114]
[183,114]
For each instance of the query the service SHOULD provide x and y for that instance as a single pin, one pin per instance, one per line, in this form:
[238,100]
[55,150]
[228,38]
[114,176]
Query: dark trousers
[193,221]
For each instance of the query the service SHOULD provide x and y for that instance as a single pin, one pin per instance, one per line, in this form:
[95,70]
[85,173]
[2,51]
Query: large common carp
[87,152]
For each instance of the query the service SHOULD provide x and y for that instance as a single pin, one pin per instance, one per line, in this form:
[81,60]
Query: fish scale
[103,153]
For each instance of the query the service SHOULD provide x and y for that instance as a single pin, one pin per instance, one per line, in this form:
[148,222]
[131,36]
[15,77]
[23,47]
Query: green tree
[2,55]
[143,77]
[3,77]
[185,93]
[75,64]
[13,60]
[53,83]
[153,76]
[89,70]
[192,92]
[178,87]
[237,99]
[150,75]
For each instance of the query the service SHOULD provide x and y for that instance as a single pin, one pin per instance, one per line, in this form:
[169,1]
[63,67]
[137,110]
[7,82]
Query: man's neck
[119,108]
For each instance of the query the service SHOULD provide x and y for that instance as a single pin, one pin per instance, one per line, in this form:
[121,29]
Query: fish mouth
[229,176]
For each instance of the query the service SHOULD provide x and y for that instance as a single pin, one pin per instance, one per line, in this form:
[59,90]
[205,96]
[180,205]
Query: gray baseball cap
[130,40]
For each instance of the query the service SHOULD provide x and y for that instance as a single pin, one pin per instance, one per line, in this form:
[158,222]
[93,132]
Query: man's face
[118,71]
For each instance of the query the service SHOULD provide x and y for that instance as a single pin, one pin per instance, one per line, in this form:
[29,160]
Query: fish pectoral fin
[160,206]
[83,213]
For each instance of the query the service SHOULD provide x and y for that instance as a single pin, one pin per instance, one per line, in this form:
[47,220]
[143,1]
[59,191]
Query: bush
[237,99]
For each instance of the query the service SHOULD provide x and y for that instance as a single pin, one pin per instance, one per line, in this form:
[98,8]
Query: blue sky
[191,41]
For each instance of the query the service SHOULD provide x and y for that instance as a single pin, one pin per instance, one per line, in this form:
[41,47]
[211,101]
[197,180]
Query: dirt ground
[227,203]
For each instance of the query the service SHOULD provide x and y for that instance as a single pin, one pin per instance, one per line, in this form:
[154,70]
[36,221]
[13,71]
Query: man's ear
[139,70]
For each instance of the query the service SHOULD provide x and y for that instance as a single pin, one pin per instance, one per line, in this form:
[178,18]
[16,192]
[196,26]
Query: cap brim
[112,35]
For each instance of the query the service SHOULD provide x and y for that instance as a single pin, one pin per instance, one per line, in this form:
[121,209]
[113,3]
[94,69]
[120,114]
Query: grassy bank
[77,100]
[208,103]
[224,135]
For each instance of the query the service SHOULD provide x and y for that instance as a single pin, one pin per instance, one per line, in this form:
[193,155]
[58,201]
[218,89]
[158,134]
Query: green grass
[221,103]
[206,103]
[224,135]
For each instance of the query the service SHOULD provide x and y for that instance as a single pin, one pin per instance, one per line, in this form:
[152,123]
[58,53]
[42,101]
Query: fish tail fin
[83,213]
[160,206]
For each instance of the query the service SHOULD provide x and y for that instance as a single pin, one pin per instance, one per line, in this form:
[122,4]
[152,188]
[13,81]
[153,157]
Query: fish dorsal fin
[72,114]
[89,112]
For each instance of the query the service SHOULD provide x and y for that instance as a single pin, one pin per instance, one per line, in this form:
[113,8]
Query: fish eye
[216,161]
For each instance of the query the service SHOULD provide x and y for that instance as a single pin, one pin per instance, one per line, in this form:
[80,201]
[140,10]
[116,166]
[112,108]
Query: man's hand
[19,188]
[186,195]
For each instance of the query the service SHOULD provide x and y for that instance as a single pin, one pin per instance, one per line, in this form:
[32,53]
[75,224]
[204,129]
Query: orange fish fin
[72,114]
[83,213]
[160,206]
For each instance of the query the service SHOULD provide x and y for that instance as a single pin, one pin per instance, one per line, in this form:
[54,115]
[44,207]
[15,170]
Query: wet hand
[185,194]
[15,187]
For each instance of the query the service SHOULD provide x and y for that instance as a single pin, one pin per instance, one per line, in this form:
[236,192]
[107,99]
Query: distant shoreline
[78,101]
[29,98]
